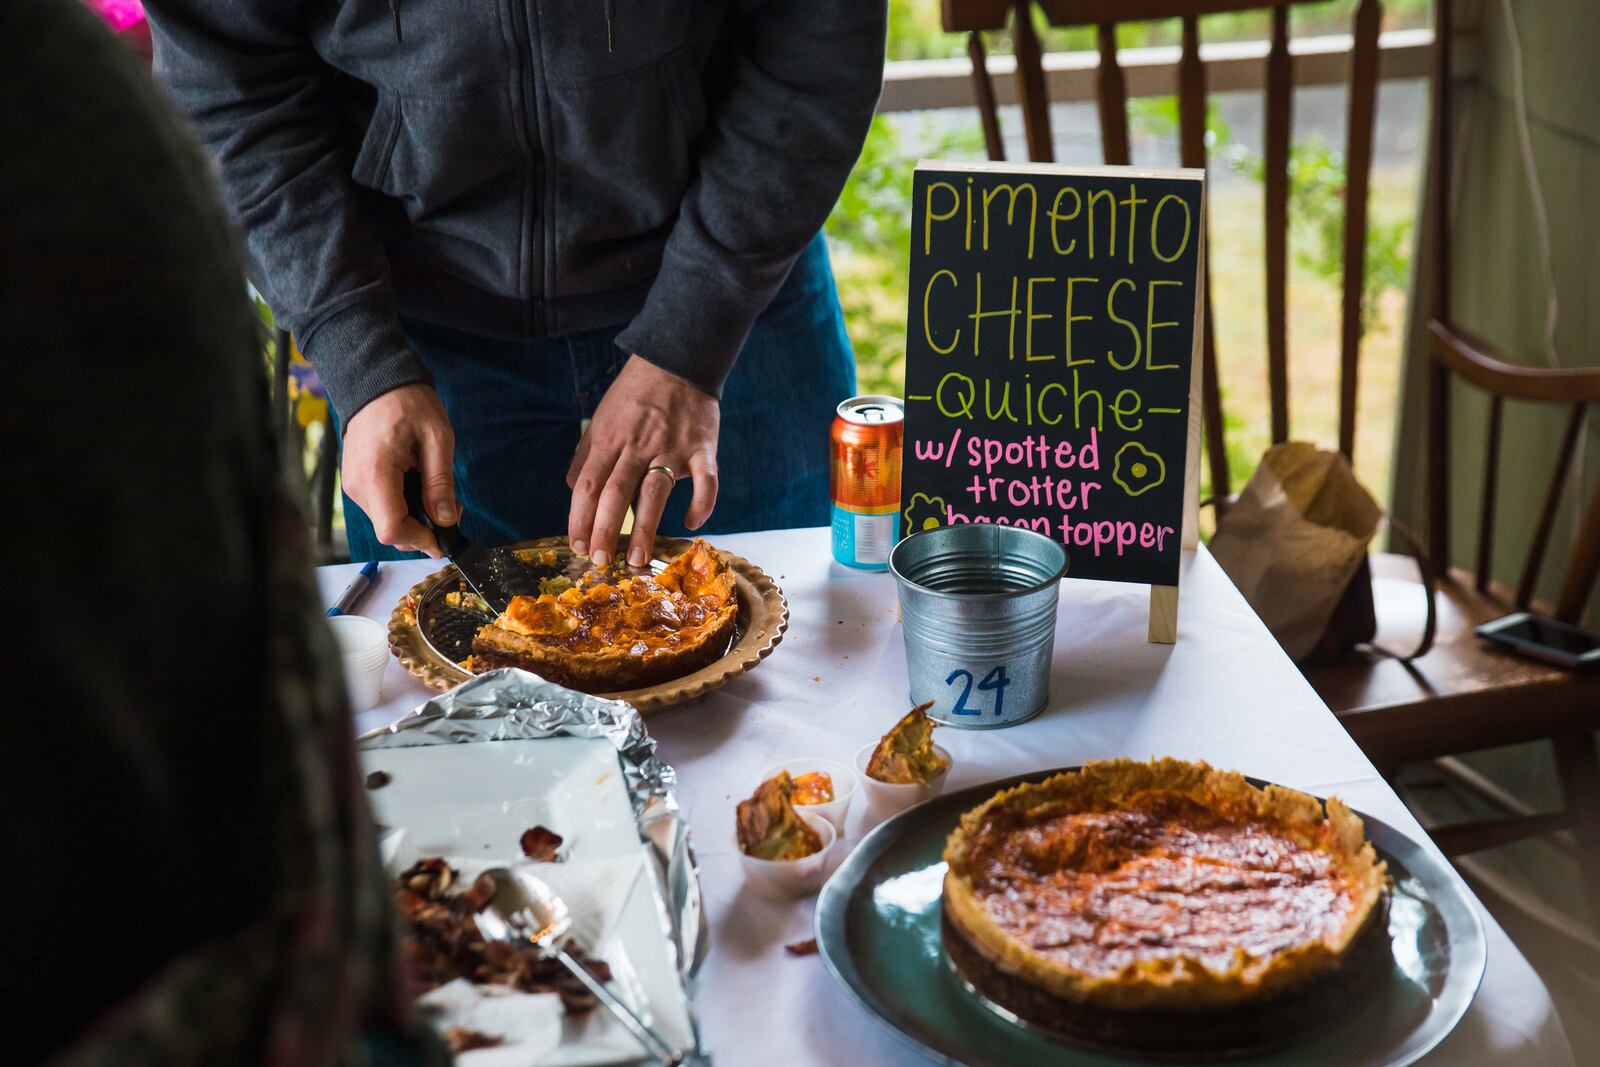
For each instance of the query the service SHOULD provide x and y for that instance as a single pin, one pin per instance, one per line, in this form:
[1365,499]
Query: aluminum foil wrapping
[510,704]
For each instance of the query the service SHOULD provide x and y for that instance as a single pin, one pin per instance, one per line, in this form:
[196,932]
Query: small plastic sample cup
[886,798]
[844,786]
[364,651]
[791,878]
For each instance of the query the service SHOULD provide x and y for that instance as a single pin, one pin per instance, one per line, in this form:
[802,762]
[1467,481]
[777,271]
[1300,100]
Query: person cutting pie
[485,223]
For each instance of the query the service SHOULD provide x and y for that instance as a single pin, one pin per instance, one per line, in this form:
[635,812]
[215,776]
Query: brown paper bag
[1294,542]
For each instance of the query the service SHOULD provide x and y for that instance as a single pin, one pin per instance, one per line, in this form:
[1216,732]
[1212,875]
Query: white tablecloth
[1224,693]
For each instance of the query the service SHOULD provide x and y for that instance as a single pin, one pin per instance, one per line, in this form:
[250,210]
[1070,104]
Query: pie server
[495,574]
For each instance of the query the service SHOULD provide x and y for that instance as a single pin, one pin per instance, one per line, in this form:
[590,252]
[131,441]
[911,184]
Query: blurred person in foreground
[190,864]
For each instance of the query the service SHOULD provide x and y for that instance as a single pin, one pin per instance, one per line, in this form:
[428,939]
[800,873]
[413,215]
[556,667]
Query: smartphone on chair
[1545,639]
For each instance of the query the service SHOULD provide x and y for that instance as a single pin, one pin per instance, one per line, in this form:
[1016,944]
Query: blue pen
[354,591]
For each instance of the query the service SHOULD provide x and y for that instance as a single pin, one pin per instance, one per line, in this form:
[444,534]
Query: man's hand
[648,418]
[404,428]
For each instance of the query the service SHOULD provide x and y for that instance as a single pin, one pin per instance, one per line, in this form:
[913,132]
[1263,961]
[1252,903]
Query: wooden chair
[1463,695]
[1466,695]
[976,16]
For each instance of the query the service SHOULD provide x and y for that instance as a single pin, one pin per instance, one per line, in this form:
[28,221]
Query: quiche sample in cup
[783,850]
[904,767]
[822,787]
[795,877]
[887,798]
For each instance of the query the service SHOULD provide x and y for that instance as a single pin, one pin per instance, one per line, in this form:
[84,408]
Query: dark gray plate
[878,930]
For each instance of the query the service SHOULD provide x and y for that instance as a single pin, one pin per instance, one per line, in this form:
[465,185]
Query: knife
[495,574]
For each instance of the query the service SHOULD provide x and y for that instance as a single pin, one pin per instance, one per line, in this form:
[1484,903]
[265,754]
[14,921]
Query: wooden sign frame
[1163,627]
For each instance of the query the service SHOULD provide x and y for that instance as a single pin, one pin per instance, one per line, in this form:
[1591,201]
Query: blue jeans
[515,407]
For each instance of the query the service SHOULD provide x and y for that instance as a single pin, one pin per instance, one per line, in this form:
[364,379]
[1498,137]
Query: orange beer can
[865,446]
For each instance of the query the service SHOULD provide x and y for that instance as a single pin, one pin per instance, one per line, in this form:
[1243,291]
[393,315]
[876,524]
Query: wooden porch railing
[937,84]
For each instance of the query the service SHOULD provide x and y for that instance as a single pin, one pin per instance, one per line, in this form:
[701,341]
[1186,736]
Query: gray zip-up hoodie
[523,168]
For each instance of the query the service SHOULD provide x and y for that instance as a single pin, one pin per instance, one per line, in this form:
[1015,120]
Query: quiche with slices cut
[1163,907]
[609,633]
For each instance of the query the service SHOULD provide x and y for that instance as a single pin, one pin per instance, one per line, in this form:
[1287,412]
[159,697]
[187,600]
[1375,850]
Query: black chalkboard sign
[1050,357]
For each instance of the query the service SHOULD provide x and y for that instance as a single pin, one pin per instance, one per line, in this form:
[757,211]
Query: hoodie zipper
[533,208]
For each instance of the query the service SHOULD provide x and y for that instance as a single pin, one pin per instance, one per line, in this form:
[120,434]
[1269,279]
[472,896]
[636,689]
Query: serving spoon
[543,920]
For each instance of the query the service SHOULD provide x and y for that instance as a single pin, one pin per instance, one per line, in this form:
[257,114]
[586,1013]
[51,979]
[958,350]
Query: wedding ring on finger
[662,468]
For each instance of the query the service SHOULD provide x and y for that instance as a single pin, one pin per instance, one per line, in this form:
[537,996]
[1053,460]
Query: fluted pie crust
[1127,903]
[617,634]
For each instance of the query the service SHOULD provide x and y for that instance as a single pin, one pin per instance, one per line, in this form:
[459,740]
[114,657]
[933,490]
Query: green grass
[1313,314]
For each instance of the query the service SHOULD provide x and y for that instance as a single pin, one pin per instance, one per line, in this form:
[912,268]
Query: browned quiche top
[1163,883]
[636,615]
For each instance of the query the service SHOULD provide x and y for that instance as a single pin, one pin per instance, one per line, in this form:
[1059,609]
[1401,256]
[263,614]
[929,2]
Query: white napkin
[532,1024]
[528,1024]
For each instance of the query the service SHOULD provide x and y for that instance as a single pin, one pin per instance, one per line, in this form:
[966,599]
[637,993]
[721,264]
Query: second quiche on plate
[1162,907]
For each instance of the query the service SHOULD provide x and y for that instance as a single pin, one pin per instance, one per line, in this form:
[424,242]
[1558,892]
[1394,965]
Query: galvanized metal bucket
[978,605]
